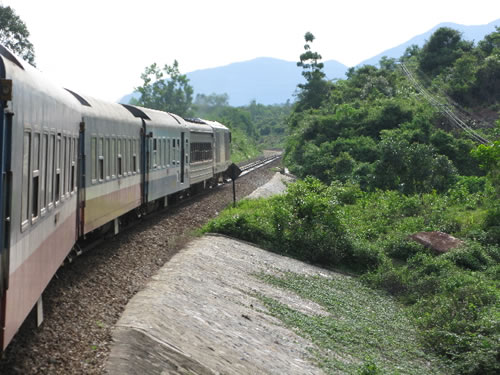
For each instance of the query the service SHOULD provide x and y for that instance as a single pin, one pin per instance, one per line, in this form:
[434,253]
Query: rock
[437,241]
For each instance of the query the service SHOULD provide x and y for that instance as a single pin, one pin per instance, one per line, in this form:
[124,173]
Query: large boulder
[437,241]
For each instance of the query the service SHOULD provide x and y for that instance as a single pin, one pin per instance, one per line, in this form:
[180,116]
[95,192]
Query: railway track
[86,298]
[247,168]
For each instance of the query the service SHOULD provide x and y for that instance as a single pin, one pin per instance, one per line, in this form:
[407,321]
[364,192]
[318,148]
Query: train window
[127,156]
[35,178]
[67,165]
[155,151]
[168,152]
[44,171]
[112,159]
[93,161]
[57,178]
[101,160]
[164,152]
[73,165]
[160,157]
[26,180]
[107,160]
[50,169]
[169,155]
[119,157]
[68,168]
[63,151]
[134,155]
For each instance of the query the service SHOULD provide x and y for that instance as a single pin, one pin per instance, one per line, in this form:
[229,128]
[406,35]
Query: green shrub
[388,278]
[402,248]
[307,225]
[471,256]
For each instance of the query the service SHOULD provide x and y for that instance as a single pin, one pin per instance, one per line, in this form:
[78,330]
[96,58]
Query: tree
[14,34]
[173,95]
[315,90]
[443,48]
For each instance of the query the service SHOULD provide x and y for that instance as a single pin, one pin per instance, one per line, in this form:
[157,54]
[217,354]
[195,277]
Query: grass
[364,329]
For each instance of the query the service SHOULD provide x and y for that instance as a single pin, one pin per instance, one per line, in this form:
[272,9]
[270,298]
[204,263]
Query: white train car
[39,127]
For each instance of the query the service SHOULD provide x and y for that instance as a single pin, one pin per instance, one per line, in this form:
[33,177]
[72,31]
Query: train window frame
[113,157]
[154,162]
[168,152]
[35,177]
[119,164]
[107,158]
[67,165]
[93,159]
[134,156]
[44,172]
[73,164]
[127,156]
[57,173]
[100,159]
[51,168]
[130,142]
[62,166]
[25,179]
[164,152]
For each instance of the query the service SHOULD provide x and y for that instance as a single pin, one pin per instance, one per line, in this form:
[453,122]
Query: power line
[443,107]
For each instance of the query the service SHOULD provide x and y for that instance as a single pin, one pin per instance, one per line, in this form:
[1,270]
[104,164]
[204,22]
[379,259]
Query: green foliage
[443,48]
[375,130]
[173,94]
[14,34]
[489,159]
[307,225]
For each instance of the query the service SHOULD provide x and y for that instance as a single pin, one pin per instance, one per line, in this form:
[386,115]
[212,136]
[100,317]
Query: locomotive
[72,167]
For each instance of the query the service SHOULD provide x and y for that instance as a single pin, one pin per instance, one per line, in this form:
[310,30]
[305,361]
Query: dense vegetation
[385,164]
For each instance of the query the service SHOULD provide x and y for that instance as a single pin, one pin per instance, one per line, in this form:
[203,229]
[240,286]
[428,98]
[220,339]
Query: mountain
[273,81]
[472,33]
[265,79]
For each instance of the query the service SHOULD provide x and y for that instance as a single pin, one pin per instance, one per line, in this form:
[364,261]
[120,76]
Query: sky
[101,47]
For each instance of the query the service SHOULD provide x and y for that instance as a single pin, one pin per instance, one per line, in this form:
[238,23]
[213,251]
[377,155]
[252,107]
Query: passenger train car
[73,166]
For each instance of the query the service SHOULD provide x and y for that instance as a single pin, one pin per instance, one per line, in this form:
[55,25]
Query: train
[74,167]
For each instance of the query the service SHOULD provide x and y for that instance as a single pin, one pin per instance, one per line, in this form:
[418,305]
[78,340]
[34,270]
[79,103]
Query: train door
[183,156]
[80,212]
[145,162]
[5,192]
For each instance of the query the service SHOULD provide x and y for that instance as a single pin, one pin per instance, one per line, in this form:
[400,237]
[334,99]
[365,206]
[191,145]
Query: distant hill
[265,79]
[274,81]
[473,33]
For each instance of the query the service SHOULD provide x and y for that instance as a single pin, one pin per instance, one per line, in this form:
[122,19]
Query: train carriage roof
[97,108]
[216,125]
[25,78]
[154,117]
[198,125]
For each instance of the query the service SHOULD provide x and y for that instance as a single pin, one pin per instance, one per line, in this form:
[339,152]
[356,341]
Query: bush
[402,248]
[471,256]
[307,225]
